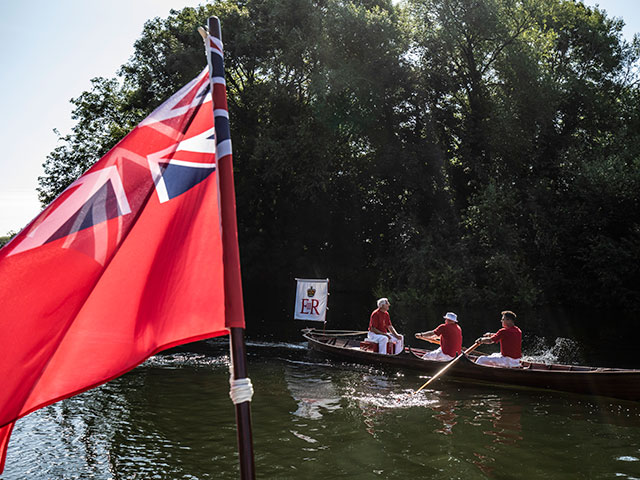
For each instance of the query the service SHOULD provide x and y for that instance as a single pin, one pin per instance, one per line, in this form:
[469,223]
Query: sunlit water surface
[171,418]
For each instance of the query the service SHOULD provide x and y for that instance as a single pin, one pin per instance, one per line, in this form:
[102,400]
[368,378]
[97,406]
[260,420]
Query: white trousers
[382,340]
[498,360]
[437,355]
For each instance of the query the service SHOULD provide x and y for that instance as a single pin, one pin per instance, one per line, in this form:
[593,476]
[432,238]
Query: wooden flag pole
[234,308]
[243,410]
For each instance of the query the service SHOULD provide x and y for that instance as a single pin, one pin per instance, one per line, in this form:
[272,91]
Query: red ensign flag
[126,262]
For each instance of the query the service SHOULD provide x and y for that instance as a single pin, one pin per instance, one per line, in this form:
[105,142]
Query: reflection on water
[500,421]
[445,412]
[146,424]
[316,418]
[506,421]
[376,395]
[313,395]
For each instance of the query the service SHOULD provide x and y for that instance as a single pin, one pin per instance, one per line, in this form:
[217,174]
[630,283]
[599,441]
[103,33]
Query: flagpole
[243,410]
[234,308]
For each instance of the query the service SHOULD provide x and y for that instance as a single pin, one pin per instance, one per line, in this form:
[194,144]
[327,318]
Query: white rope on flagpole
[241,390]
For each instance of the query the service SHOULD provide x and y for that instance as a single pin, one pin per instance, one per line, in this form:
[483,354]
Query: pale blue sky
[50,49]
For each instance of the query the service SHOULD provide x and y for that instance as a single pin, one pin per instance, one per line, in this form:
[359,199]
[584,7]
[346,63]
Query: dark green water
[171,418]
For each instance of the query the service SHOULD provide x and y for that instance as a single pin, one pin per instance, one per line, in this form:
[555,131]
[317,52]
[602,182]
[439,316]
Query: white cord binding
[241,390]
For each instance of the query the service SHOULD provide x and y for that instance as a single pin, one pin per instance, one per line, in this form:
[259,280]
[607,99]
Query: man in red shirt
[510,338]
[449,334]
[381,331]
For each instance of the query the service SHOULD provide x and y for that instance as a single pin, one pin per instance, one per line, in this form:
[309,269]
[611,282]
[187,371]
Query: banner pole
[234,308]
[324,326]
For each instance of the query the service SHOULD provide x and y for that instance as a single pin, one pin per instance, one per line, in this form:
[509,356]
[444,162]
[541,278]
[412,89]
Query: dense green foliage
[5,239]
[436,151]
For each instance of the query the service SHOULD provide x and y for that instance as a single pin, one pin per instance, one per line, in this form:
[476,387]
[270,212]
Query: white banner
[311,299]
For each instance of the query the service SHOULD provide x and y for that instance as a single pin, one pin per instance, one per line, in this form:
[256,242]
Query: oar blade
[449,365]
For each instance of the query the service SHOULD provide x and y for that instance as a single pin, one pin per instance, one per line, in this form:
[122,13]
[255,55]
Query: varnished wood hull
[607,382]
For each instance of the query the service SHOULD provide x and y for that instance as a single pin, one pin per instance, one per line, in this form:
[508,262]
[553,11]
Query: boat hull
[607,382]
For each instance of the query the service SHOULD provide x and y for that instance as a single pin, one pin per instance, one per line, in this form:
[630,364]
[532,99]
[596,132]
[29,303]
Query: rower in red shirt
[449,334]
[510,338]
[381,331]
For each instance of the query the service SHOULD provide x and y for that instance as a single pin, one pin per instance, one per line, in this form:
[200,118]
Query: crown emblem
[311,291]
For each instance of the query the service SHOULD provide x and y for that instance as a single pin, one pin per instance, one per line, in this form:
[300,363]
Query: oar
[468,350]
[431,340]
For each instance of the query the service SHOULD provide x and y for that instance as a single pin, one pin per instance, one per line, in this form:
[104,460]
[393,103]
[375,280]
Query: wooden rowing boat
[608,382]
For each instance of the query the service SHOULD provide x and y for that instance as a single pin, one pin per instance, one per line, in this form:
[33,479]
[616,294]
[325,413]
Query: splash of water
[178,360]
[267,344]
[564,350]
[394,400]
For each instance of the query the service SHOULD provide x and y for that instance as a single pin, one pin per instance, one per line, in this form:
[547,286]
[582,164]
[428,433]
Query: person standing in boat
[381,331]
[510,338]
[449,334]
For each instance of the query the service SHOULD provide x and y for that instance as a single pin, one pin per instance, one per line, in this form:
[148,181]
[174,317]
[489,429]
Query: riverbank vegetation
[5,239]
[434,151]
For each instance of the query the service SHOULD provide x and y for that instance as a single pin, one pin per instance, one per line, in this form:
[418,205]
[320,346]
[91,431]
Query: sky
[49,51]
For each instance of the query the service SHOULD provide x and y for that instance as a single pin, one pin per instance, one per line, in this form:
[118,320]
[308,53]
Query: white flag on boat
[311,299]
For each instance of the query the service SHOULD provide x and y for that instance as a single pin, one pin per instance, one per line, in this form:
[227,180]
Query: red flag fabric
[127,261]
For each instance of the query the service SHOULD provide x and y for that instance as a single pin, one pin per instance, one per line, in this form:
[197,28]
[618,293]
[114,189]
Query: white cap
[451,316]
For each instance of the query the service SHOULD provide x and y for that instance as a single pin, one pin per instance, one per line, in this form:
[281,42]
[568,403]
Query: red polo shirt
[510,339]
[380,320]
[450,338]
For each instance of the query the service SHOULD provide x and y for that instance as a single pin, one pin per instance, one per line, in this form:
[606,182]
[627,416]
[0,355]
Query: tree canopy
[436,151]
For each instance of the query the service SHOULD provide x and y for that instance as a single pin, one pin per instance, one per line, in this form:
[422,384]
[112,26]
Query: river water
[171,418]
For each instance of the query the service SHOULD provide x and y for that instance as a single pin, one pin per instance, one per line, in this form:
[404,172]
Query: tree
[483,68]
[458,151]
[313,88]
[102,119]
[5,239]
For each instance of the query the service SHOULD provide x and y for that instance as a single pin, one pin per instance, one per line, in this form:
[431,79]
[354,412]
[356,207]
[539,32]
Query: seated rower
[449,335]
[381,331]
[510,338]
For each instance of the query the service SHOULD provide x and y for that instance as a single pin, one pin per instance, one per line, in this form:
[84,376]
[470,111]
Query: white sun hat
[451,316]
